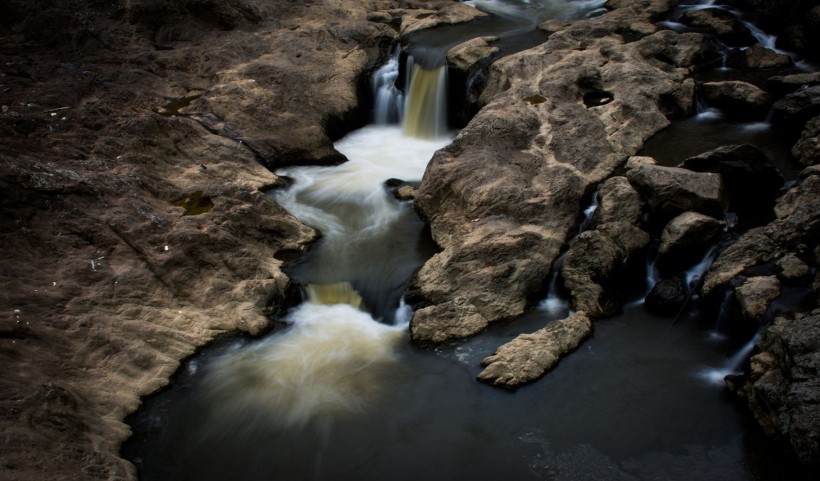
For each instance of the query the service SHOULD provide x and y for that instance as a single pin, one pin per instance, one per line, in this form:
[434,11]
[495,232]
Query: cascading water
[339,395]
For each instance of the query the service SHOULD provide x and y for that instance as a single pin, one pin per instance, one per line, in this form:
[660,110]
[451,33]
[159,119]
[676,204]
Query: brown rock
[618,201]
[755,295]
[688,235]
[760,57]
[672,190]
[736,98]
[807,148]
[530,356]
[792,270]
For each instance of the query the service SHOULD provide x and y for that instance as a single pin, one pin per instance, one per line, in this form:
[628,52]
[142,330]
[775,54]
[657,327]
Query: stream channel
[337,392]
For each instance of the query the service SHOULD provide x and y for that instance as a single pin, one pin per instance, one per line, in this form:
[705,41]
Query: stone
[503,197]
[796,109]
[618,201]
[720,23]
[796,226]
[760,57]
[466,56]
[792,270]
[751,179]
[530,356]
[635,161]
[755,295]
[781,85]
[668,296]
[595,264]
[782,388]
[686,237]
[671,191]
[736,98]
[807,148]
[448,14]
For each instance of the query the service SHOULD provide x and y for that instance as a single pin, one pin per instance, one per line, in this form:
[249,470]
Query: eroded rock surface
[530,356]
[503,197]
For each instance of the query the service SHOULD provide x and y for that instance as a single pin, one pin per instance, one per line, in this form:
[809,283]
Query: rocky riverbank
[138,140]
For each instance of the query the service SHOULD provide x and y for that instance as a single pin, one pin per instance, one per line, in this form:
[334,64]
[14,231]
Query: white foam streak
[731,366]
[327,363]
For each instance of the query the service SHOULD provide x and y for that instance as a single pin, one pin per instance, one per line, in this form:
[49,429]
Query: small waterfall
[695,273]
[717,333]
[553,304]
[388,100]
[425,112]
[732,365]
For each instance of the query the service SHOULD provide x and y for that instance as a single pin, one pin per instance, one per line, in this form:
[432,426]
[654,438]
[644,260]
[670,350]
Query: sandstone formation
[501,211]
[687,236]
[755,295]
[530,356]
[671,191]
[618,201]
[737,98]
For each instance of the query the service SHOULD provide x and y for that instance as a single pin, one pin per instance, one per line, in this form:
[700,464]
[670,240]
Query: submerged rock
[668,296]
[530,356]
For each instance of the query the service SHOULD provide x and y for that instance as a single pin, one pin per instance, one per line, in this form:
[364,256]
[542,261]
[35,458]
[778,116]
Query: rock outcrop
[530,356]
[503,198]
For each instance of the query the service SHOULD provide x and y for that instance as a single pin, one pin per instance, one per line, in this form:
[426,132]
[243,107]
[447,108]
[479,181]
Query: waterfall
[388,100]
[732,365]
[425,112]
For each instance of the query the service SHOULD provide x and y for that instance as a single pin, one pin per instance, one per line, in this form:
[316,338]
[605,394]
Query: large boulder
[782,389]
[670,191]
[686,237]
[761,57]
[530,356]
[751,179]
[596,264]
[781,85]
[516,176]
[721,23]
[618,201]
[756,294]
[737,98]
[796,109]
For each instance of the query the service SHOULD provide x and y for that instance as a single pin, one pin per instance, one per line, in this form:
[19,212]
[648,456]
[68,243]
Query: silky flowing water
[337,392]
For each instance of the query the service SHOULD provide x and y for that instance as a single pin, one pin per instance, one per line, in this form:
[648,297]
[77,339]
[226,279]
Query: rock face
[784,382]
[133,220]
[530,356]
[807,148]
[504,196]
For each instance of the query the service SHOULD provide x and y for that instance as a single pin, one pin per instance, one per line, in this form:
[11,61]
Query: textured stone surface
[688,235]
[755,295]
[505,195]
[738,98]
[618,201]
[672,190]
[530,356]
[807,148]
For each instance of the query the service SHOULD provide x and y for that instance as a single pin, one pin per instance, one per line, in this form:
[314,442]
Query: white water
[388,100]
[731,366]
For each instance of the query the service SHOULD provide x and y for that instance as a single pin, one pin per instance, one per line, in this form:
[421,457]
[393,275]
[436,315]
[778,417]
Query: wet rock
[756,294]
[760,57]
[751,179]
[797,108]
[466,56]
[445,321]
[636,161]
[686,237]
[449,14]
[795,227]
[530,356]
[595,264]
[618,201]
[668,296]
[671,191]
[781,85]
[792,270]
[737,98]
[807,148]
[720,23]
[517,174]
[783,385]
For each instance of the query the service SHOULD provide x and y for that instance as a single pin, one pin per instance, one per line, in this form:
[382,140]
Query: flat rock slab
[530,356]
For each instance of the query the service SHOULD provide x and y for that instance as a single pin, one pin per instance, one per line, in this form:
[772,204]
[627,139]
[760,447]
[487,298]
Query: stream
[339,393]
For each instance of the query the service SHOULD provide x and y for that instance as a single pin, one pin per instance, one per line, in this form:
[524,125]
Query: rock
[618,202]
[807,148]
[448,14]
[720,23]
[671,191]
[503,197]
[737,98]
[760,57]
[796,109]
[782,388]
[595,264]
[636,161]
[466,56]
[751,179]
[781,85]
[792,270]
[796,226]
[530,356]
[756,294]
[686,237]
[668,296]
